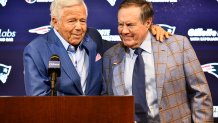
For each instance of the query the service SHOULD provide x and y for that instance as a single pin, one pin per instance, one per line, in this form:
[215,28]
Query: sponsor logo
[105,34]
[3,2]
[4,72]
[33,1]
[211,68]
[168,28]
[54,64]
[200,34]
[166,1]
[112,2]
[7,36]
[30,1]
[215,111]
[41,30]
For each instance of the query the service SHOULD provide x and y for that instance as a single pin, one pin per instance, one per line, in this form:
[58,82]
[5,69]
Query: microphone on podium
[54,72]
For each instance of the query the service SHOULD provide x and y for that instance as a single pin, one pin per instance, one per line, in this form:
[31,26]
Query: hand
[160,33]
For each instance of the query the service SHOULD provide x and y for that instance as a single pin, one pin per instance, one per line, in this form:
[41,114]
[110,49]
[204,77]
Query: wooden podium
[67,109]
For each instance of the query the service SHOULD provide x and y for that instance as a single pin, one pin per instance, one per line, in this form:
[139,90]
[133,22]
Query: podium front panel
[67,109]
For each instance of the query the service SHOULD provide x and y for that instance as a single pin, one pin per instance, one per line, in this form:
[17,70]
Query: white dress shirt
[79,58]
[150,82]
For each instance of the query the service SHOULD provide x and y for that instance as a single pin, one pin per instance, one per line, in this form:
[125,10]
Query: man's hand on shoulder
[159,33]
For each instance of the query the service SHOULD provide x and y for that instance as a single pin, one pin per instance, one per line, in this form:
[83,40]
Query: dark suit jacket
[183,92]
[37,55]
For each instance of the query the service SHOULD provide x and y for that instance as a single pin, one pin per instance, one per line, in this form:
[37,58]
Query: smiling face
[72,24]
[130,26]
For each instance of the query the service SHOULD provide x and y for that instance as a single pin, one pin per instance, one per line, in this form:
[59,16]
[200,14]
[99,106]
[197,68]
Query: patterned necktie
[138,88]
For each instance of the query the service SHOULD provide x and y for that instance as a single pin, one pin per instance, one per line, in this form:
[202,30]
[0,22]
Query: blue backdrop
[23,20]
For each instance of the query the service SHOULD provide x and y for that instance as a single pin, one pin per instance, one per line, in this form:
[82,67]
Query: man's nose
[125,30]
[78,25]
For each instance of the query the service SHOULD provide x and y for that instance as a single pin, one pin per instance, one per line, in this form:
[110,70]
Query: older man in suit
[79,48]
[165,78]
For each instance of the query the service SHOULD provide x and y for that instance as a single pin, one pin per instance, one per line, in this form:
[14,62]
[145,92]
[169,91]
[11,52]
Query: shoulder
[178,43]
[177,38]
[96,37]
[38,43]
[93,32]
[114,50]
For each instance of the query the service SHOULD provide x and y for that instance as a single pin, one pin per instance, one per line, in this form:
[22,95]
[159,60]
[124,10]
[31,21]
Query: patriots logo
[211,68]
[112,2]
[30,1]
[168,28]
[4,72]
[41,30]
[3,2]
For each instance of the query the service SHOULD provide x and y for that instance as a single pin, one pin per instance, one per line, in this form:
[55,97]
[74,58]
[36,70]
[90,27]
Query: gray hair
[57,6]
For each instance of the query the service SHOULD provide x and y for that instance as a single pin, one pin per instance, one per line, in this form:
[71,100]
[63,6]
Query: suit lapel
[160,60]
[57,48]
[118,64]
[90,47]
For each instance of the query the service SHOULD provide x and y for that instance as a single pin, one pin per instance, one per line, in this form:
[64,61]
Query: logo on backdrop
[7,36]
[200,34]
[167,1]
[168,28]
[105,34]
[4,72]
[3,2]
[41,30]
[33,1]
[211,68]
[30,1]
[215,111]
[112,2]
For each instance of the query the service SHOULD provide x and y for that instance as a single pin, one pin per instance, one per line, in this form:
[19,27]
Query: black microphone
[54,72]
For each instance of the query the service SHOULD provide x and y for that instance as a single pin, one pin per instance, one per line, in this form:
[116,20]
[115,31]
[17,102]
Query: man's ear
[54,22]
[148,22]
